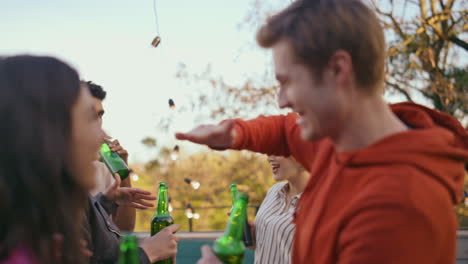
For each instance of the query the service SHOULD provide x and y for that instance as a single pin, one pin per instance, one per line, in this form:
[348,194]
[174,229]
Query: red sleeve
[264,134]
[274,135]
[388,234]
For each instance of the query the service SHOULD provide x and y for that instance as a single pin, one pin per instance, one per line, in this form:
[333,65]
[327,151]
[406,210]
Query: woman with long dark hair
[49,137]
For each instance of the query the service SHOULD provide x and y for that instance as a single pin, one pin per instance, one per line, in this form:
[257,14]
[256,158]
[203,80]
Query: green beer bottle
[162,218]
[113,161]
[229,248]
[129,250]
[233,193]
[247,235]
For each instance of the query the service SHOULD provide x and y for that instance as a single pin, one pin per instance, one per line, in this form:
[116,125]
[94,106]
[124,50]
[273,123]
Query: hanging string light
[135,177]
[175,153]
[157,39]
[171,104]
[195,184]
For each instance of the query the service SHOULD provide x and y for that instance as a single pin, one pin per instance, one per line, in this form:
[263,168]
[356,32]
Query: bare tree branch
[395,23]
[450,4]
[442,5]
[455,22]
[400,90]
[459,42]
[445,57]
[425,93]
[423,9]
[433,7]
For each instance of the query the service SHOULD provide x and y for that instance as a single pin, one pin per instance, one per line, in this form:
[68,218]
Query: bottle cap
[156,41]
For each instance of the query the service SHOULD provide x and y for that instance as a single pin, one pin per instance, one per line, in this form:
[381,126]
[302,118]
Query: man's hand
[208,257]
[218,137]
[115,146]
[163,245]
[132,197]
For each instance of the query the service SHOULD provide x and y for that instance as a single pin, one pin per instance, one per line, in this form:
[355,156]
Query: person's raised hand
[218,137]
[115,146]
[126,196]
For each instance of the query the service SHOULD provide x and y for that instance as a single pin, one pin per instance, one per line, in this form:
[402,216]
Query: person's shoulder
[276,188]
[399,185]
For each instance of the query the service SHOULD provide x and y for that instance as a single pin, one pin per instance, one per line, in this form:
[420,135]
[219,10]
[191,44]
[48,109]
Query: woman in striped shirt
[274,230]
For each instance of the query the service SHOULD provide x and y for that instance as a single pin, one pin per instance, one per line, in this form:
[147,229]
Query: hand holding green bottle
[115,146]
[162,218]
[109,153]
[230,248]
[162,246]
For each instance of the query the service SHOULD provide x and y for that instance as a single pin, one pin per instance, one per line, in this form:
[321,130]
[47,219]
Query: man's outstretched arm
[263,134]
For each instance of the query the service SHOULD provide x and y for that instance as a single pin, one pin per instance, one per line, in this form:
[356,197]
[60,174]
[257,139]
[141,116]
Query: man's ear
[341,67]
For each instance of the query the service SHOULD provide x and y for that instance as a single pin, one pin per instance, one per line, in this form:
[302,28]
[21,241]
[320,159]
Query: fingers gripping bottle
[162,218]
[229,248]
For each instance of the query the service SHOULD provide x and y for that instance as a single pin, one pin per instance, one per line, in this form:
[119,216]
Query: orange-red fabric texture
[392,202]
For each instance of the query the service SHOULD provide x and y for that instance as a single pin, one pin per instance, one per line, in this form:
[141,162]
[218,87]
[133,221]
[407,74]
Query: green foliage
[215,171]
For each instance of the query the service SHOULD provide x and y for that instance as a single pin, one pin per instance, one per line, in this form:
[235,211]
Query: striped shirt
[274,229]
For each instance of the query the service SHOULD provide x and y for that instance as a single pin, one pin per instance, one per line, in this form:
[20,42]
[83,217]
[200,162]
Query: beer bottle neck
[235,226]
[133,257]
[233,195]
[163,203]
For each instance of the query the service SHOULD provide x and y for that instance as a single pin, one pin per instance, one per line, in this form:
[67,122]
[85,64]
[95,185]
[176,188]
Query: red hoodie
[392,202]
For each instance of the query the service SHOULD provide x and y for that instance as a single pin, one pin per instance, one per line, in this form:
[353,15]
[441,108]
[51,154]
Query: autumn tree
[426,51]
[427,60]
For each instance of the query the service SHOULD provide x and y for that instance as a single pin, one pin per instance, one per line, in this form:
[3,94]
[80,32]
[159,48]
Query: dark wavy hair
[96,90]
[39,196]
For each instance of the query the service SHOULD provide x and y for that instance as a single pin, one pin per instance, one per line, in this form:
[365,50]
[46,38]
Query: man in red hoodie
[384,179]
